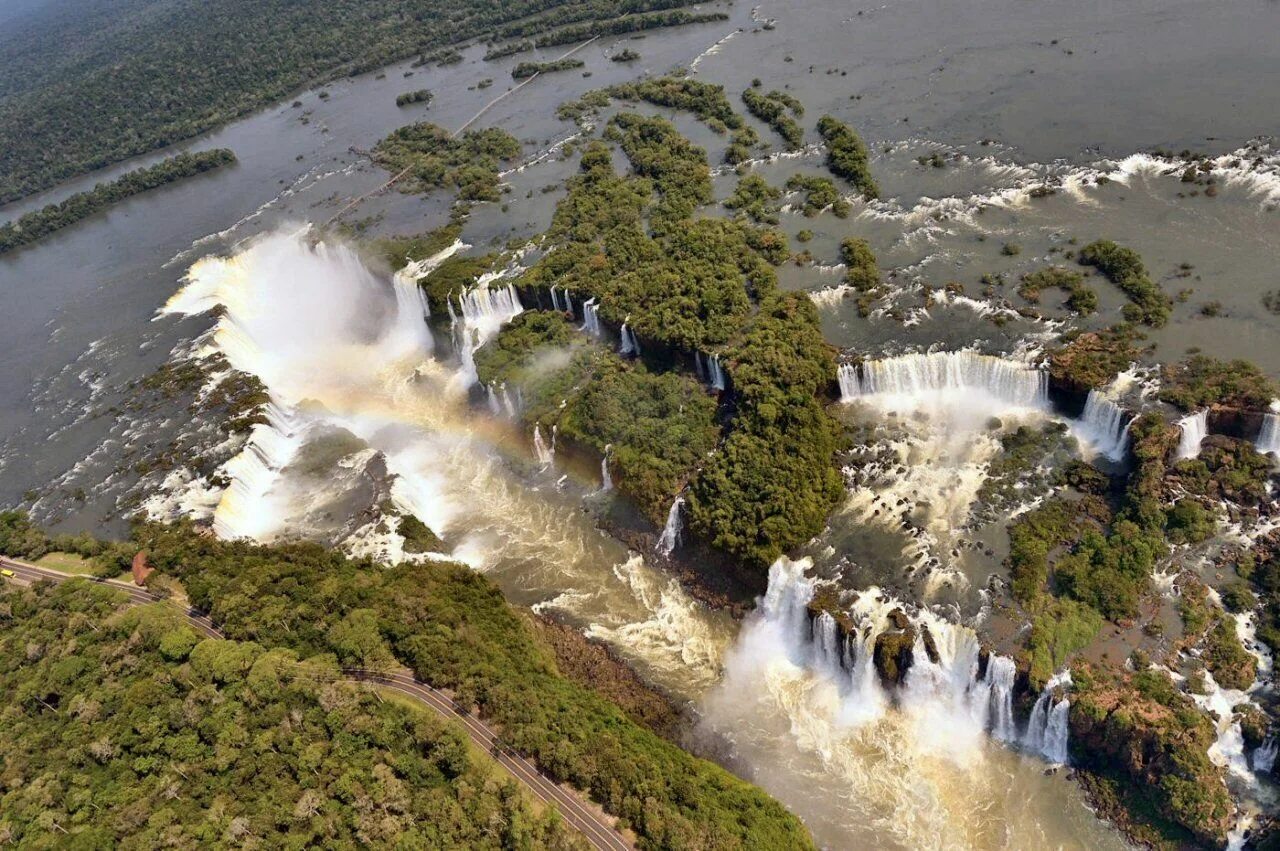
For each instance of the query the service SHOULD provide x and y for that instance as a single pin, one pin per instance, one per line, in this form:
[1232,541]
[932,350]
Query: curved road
[592,824]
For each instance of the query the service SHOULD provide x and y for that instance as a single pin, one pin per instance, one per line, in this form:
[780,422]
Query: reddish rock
[141,570]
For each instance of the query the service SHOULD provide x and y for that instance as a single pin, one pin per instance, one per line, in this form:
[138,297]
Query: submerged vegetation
[772,109]
[524,70]
[1124,268]
[54,217]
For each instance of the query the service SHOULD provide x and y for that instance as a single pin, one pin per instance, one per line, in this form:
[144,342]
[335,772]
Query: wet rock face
[1240,423]
[893,650]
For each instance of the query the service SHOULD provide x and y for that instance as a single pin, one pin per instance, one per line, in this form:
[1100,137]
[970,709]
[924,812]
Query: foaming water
[336,346]
[913,768]
[942,414]
[1194,428]
[1104,426]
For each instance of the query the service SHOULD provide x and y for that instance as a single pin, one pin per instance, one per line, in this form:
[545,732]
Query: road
[592,824]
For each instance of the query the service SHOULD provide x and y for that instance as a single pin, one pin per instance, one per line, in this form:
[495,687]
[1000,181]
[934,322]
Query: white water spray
[1047,730]
[670,538]
[1104,426]
[1195,427]
[947,376]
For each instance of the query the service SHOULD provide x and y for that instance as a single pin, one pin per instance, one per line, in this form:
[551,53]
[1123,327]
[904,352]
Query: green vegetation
[54,217]
[705,100]
[452,627]
[528,69]
[819,194]
[1080,298]
[418,538]
[399,251]
[83,91]
[1125,269]
[451,278]
[419,96]
[1059,628]
[125,727]
[847,156]
[658,427]
[434,158]
[1140,730]
[772,109]
[1231,665]
[756,199]
[625,55]
[1091,360]
[707,285]
[1201,381]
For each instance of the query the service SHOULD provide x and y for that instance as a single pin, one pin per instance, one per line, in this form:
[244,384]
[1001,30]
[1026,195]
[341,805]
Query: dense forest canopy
[126,726]
[92,83]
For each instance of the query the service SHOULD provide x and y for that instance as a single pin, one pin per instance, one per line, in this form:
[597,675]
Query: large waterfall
[606,481]
[951,376]
[1195,427]
[1104,426]
[953,691]
[670,537]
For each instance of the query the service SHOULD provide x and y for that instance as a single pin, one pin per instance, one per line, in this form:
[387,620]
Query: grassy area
[67,563]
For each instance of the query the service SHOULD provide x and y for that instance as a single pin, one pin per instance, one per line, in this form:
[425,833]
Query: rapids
[340,349]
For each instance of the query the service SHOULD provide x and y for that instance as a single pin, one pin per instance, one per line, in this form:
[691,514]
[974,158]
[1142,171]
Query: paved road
[590,823]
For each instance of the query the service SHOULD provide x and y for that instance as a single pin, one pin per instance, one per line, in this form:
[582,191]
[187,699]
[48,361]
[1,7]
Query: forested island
[40,223]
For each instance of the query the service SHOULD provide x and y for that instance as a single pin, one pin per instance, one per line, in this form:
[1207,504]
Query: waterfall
[606,482]
[948,376]
[630,345]
[1195,427]
[952,707]
[545,455]
[555,300]
[495,406]
[511,407]
[1047,730]
[482,311]
[670,538]
[850,383]
[999,679]
[1269,436]
[1103,426]
[1264,758]
[716,373]
[245,510]
[591,317]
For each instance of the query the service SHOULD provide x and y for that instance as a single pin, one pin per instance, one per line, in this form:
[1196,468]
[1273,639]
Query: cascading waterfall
[1269,435]
[546,454]
[1047,731]
[951,375]
[1103,425]
[591,317]
[482,311]
[1000,677]
[606,481]
[1264,758]
[245,510]
[1195,427]
[670,538]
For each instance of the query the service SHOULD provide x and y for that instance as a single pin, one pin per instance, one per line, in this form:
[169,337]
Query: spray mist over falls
[918,765]
[342,350]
